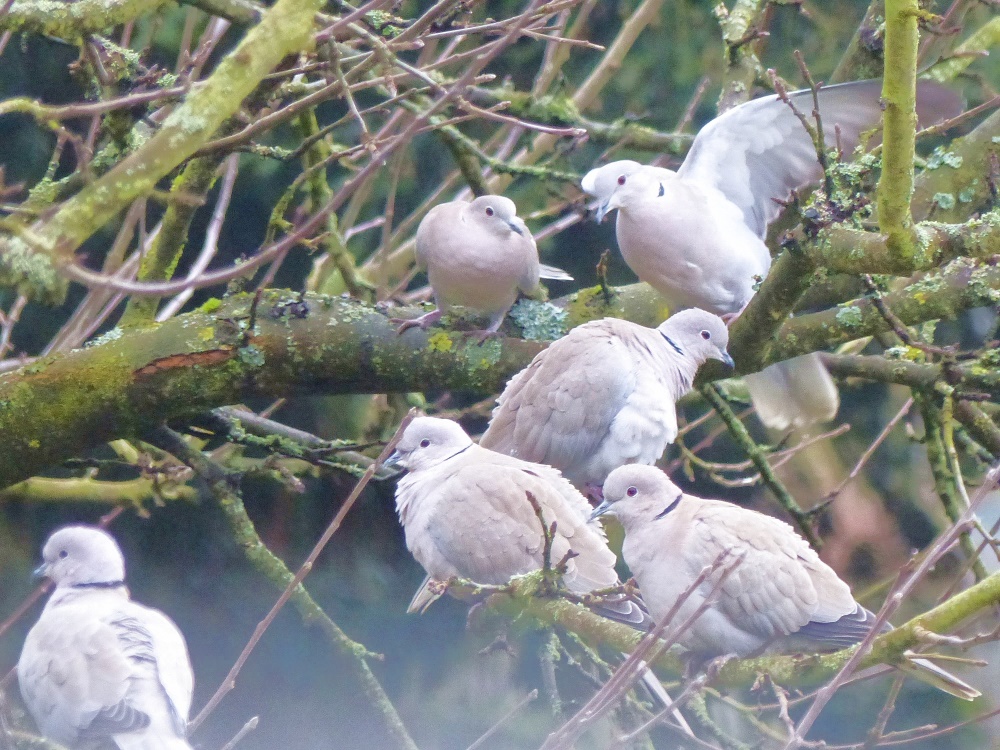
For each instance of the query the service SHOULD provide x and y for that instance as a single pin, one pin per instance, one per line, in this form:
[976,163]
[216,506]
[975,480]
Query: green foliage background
[180,558]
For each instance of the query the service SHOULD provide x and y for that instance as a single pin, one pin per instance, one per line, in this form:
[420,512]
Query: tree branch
[48,244]
[790,670]
[899,126]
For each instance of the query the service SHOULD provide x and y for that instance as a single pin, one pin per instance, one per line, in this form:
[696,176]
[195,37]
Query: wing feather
[759,152]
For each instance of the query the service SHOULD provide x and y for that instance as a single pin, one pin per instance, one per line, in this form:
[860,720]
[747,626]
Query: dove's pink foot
[595,491]
[423,322]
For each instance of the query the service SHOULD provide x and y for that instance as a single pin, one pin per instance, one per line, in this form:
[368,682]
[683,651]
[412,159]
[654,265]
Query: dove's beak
[393,461]
[515,228]
[601,212]
[41,571]
[727,359]
[600,510]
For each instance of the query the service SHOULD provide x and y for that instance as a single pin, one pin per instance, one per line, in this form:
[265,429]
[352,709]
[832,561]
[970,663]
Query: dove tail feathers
[795,393]
[660,695]
[552,273]
[625,611]
[928,672]
[424,598]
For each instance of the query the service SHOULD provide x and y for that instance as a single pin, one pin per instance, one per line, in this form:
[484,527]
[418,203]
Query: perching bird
[603,181]
[697,235]
[478,255]
[466,514]
[779,597]
[97,665]
[604,395]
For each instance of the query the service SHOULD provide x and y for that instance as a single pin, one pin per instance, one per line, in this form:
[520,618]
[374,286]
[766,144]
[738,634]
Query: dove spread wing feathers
[697,236]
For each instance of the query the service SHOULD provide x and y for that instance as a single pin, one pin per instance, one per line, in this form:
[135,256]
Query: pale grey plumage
[604,394]
[780,596]
[98,665]
[696,235]
[479,255]
[603,181]
[465,513]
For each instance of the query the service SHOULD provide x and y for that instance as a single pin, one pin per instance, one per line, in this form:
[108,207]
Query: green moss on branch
[125,385]
[286,28]
[801,671]
[899,97]
[129,381]
[75,20]
[961,285]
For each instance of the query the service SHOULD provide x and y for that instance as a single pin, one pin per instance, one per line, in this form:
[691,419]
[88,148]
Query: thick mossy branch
[741,37]
[982,429]
[946,481]
[128,381]
[286,28]
[899,121]
[74,20]
[961,285]
[134,492]
[957,178]
[978,44]
[787,281]
[853,251]
[799,670]
[131,380]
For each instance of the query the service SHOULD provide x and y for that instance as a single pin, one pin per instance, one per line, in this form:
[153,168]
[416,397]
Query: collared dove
[479,255]
[465,513]
[97,665]
[697,235]
[780,597]
[604,395]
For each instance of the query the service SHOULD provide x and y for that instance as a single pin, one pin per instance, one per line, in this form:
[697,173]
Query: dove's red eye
[424,443]
[631,492]
[489,210]
[621,179]
[706,335]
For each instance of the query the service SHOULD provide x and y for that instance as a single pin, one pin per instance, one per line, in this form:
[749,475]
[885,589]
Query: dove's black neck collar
[673,344]
[99,585]
[670,507]
[459,453]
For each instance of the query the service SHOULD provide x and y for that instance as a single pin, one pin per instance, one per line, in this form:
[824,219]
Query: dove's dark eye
[706,335]
[425,442]
[63,553]
[489,210]
[631,492]
[621,179]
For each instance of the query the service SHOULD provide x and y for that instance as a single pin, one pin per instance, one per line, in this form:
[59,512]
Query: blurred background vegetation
[448,690]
